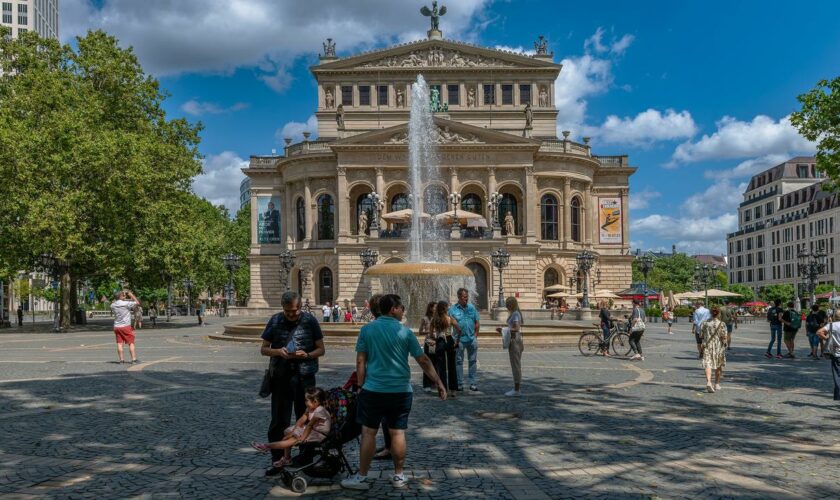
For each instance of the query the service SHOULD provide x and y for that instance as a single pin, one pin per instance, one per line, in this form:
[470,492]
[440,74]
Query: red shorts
[125,334]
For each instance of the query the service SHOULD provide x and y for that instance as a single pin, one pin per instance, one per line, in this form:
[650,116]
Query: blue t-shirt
[387,344]
[466,317]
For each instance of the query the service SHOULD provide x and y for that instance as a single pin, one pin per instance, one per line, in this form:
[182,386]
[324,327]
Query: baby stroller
[326,459]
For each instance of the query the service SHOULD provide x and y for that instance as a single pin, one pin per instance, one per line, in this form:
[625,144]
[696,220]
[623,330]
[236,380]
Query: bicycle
[591,342]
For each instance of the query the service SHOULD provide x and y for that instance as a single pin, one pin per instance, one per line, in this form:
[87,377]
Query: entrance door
[480,284]
[325,285]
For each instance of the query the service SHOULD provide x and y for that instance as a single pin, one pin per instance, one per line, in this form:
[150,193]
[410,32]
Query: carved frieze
[436,57]
[442,136]
[506,174]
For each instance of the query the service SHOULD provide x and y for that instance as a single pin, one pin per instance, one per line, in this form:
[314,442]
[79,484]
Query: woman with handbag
[441,327]
[515,345]
[714,349]
[637,329]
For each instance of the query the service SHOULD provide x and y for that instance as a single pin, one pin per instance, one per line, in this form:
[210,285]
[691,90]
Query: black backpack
[772,314]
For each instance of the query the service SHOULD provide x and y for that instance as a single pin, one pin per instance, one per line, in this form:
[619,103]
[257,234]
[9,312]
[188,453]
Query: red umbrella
[755,303]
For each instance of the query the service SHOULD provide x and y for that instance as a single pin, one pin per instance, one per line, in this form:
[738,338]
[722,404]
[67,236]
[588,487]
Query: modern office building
[784,212]
[244,192]
[40,16]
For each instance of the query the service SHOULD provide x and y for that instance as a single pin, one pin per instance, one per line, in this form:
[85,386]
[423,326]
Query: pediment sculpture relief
[442,136]
[435,57]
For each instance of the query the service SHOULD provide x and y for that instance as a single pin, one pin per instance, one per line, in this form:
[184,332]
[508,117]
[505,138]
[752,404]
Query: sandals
[260,447]
[281,463]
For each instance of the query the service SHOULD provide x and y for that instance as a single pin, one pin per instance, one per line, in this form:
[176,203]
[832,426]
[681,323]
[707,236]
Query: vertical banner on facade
[268,219]
[610,220]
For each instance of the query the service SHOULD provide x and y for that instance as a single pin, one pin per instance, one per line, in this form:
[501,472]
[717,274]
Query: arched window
[508,204]
[326,217]
[325,285]
[364,205]
[435,200]
[300,222]
[548,217]
[550,277]
[400,201]
[472,203]
[575,219]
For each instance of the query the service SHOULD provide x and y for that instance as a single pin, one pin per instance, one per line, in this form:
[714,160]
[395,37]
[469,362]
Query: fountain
[428,275]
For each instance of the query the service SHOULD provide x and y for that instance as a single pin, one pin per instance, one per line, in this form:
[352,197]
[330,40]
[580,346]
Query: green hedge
[682,311]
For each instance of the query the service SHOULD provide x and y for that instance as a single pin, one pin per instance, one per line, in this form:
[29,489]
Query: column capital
[341,170]
[379,170]
[567,182]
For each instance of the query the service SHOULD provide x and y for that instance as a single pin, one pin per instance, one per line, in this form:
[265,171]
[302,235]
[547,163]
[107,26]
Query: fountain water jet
[428,275]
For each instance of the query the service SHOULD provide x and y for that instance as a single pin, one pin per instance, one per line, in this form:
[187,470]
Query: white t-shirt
[833,338]
[325,309]
[122,312]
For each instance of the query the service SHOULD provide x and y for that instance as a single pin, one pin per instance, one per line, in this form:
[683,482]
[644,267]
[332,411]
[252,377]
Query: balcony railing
[560,146]
[307,147]
[263,161]
[613,161]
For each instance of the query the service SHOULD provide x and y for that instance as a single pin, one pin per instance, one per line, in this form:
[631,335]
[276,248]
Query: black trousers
[636,341]
[835,370]
[286,393]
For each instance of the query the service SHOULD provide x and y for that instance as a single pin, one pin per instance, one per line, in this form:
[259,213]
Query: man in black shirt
[813,322]
[791,321]
[774,318]
[294,341]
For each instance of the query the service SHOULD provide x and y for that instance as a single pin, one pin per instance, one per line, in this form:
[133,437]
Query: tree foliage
[819,121]
[782,292]
[673,273]
[747,293]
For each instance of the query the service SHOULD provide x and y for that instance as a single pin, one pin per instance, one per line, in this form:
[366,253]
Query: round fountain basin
[419,269]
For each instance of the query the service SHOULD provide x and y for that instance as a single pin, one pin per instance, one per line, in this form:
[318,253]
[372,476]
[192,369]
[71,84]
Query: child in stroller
[312,427]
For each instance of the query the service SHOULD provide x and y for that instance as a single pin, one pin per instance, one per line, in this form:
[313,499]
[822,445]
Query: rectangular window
[749,259]
[749,243]
[7,12]
[747,216]
[23,18]
[347,95]
[382,95]
[749,275]
[7,18]
[525,94]
[730,247]
[453,94]
[802,171]
[759,241]
[489,94]
[740,262]
[740,276]
[760,257]
[739,246]
[507,94]
[364,95]
[768,208]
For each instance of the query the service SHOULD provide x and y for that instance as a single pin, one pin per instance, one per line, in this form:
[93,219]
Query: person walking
[325,312]
[668,316]
[813,322]
[20,315]
[791,323]
[336,312]
[729,318]
[429,342]
[467,340]
[700,316]
[201,310]
[382,352]
[123,312]
[138,317]
[831,334]
[637,329]
[774,317]
[516,345]
[441,327]
[714,335]
[294,342]
[606,325]
[153,313]
[383,453]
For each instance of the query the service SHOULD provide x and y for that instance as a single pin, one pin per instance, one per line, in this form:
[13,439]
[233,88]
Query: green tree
[819,121]
[747,293]
[782,292]
[674,273]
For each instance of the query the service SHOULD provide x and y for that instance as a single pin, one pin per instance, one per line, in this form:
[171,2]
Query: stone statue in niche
[339,116]
[329,99]
[543,97]
[471,97]
[509,225]
[363,223]
[529,116]
[400,98]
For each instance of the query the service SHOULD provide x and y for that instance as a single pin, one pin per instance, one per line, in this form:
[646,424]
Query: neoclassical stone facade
[561,197]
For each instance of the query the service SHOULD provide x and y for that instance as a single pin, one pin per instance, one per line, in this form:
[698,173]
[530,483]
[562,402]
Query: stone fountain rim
[419,269]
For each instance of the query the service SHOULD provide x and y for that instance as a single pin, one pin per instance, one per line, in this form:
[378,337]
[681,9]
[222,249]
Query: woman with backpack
[831,334]
[792,321]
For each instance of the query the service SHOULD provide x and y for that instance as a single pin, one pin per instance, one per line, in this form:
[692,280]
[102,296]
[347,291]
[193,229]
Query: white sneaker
[356,482]
[399,481]
[635,357]
[427,389]
[717,387]
[513,392]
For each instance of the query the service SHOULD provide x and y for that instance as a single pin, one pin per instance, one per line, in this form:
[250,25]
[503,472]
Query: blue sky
[697,93]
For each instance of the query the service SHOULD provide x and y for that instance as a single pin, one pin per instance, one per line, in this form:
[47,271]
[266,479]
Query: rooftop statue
[434,13]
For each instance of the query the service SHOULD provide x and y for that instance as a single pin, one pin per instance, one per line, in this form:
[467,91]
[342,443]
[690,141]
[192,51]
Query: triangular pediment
[447,133]
[436,55]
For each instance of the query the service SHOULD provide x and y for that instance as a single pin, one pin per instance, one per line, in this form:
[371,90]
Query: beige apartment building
[784,211]
[21,16]
[561,197]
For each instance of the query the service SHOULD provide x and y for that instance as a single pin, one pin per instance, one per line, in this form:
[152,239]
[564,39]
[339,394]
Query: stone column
[454,183]
[531,204]
[590,214]
[491,188]
[342,203]
[307,207]
[567,212]
[284,227]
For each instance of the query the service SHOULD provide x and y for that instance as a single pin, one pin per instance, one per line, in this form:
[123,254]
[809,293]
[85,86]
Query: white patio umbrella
[464,216]
[482,222]
[559,295]
[554,288]
[714,292]
[403,215]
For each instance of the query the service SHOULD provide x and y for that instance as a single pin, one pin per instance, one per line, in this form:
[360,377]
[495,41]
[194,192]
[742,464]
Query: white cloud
[580,78]
[295,130]
[722,197]
[199,108]
[518,49]
[645,128]
[748,168]
[219,183]
[641,199]
[190,36]
[615,46]
[738,139]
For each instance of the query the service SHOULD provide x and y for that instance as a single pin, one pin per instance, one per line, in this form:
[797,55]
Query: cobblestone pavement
[73,424]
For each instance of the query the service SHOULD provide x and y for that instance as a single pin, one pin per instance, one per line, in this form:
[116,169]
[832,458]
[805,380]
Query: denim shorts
[391,407]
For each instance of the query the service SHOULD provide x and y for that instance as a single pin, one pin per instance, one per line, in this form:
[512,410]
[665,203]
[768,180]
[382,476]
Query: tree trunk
[64,289]
[74,299]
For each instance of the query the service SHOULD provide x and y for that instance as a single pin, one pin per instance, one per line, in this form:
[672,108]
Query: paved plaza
[74,424]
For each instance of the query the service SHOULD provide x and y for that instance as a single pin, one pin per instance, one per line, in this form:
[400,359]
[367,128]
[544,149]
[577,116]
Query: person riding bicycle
[606,325]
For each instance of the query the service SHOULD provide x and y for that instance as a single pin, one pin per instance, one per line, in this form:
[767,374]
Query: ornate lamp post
[232,263]
[811,266]
[188,284]
[493,209]
[50,265]
[368,256]
[500,258]
[645,264]
[166,277]
[304,285]
[585,260]
[704,276]
[378,205]
[287,262]
[455,200]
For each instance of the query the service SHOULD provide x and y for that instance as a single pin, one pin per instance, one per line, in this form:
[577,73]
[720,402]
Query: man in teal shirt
[382,352]
[468,323]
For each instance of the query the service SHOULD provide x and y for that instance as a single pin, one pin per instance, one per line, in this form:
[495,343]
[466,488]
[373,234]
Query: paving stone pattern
[74,424]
